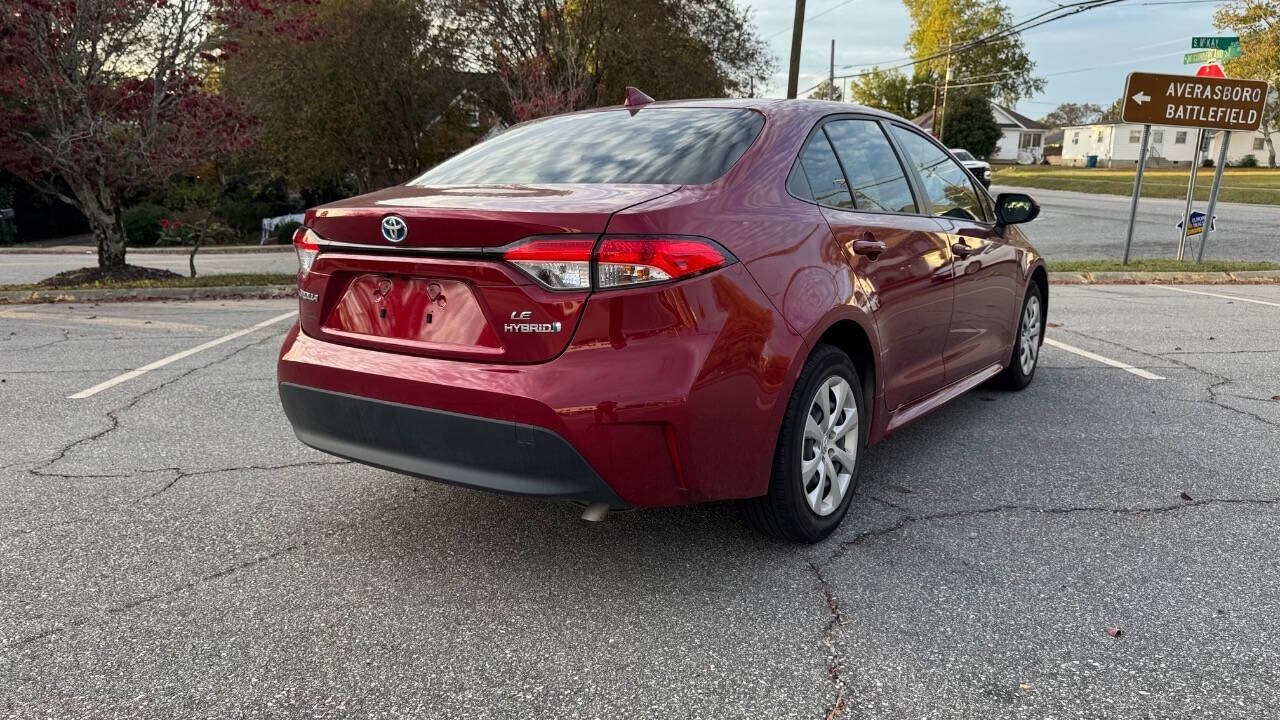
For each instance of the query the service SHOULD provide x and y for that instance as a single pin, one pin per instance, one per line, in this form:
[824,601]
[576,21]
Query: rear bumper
[496,455]
[668,396]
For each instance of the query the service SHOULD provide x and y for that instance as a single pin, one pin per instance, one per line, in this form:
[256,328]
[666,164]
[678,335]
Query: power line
[1016,28]
[818,15]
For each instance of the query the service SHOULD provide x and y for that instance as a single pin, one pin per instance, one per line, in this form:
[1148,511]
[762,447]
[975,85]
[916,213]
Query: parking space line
[1104,360]
[176,357]
[1224,297]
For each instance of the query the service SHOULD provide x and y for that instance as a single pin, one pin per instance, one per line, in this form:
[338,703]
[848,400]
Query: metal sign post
[1213,195]
[1137,190]
[1191,191]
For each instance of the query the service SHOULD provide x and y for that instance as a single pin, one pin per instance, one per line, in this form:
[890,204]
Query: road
[1085,226]
[169,550]
[1071,226]
[32,267]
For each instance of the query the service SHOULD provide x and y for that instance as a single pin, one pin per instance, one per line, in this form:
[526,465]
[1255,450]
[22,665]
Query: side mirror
[1014,208]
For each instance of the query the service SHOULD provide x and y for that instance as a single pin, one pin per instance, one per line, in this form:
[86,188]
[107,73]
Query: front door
[985,269]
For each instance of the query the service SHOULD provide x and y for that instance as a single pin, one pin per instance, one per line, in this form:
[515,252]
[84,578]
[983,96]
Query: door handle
[962,250]
[868,246]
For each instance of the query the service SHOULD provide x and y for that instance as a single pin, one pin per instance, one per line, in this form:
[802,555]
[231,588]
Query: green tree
[1113,113]
[894,92]
[824,91]
[1000,69]
[557,55]
[1257,22]
[1068,114]
[376,99]
[970,124]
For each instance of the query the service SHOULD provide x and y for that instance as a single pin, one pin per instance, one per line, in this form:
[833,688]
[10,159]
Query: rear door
[985,267]
[856,177]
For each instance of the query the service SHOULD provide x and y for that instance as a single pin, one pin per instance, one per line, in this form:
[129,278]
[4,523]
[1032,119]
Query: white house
[1022,141]
[1117,145]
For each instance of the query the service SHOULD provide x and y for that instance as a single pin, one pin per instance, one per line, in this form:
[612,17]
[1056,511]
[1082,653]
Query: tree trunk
[107,223]
[191,259]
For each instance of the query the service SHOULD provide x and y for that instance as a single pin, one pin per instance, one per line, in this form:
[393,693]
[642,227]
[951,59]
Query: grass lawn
[223,280]
[1244,185]
[1158,265]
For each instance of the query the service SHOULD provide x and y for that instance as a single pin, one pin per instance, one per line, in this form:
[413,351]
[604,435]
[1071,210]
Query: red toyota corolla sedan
[662,303]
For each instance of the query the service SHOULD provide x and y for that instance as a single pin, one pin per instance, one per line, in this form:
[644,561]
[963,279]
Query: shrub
[1206,163]
[1248,161]
[142,224]
[283,234]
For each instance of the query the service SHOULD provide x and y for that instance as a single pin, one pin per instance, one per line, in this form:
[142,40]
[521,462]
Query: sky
[1084,58]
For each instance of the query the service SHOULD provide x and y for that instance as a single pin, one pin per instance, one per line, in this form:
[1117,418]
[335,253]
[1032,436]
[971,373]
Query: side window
[948,185]
[876,178]
[798,184]
[824,173]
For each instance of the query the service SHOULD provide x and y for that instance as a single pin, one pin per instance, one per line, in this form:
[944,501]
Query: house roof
[1020,122]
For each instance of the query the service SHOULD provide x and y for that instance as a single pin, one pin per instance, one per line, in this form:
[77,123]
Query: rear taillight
[619,260]
[557,263]
[306,244]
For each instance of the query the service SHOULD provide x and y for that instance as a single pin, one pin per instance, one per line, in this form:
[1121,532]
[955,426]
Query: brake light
[306,245]
[627,261]
[566,263]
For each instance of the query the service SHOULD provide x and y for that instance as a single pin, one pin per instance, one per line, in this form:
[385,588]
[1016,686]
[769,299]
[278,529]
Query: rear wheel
[1026,346]
[819,450]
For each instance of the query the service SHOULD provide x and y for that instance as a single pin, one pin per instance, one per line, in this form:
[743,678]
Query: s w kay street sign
[1201,102]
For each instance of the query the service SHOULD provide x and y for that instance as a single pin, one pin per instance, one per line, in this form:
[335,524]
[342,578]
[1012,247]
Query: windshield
[962,154]
[667,146]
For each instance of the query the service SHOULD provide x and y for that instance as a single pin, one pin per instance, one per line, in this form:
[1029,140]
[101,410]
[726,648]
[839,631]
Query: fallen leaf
[1053,324]
[1273,397]
[1184,496]
[1025,686]
[1114,631]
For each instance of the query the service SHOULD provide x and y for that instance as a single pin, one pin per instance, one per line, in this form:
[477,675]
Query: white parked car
[981,169]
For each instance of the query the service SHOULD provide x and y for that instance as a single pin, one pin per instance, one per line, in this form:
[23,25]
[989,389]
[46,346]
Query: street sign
[1197,224]
[1212,69]
[1203,56]
[1186,101]
[1216,43]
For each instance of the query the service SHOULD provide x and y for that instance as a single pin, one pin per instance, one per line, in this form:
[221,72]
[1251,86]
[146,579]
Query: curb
[1242,277]
[127,294]
[168,250]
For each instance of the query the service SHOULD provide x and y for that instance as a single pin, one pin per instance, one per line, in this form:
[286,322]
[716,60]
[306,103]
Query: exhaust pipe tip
[596,512]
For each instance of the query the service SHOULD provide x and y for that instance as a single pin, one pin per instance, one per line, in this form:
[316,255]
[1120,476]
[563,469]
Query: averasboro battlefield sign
[1186,101]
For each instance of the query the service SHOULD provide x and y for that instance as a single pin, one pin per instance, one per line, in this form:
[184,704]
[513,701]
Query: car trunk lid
[443,289]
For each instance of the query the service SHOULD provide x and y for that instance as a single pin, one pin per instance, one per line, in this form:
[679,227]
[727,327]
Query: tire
[1027,341]
[807,507]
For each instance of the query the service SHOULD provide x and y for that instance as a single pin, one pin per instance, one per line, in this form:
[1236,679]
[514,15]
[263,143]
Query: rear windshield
[962,154]
[676,146]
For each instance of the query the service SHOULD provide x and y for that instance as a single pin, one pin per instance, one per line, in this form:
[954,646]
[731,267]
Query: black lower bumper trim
[466,450]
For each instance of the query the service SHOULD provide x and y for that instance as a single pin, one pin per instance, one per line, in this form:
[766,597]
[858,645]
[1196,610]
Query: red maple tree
[99,98]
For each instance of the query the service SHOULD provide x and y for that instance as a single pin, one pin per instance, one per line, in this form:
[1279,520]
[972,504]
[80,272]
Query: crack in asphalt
[834,657]
[66,335]
[181,474]
[224,572]
[113,415]
[836,618]
[1211,390]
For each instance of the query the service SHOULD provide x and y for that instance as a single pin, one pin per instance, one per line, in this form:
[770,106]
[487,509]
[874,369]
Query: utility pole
[946,82]
[831,76]
[796,31]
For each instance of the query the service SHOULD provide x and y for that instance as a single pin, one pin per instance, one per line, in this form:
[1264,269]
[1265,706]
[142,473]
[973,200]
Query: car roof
[766,106]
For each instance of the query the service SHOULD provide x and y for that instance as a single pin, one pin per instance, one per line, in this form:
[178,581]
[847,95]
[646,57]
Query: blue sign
[1197,224]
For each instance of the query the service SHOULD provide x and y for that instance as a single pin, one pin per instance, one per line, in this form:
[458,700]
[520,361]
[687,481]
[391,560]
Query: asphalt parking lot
[168,549]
